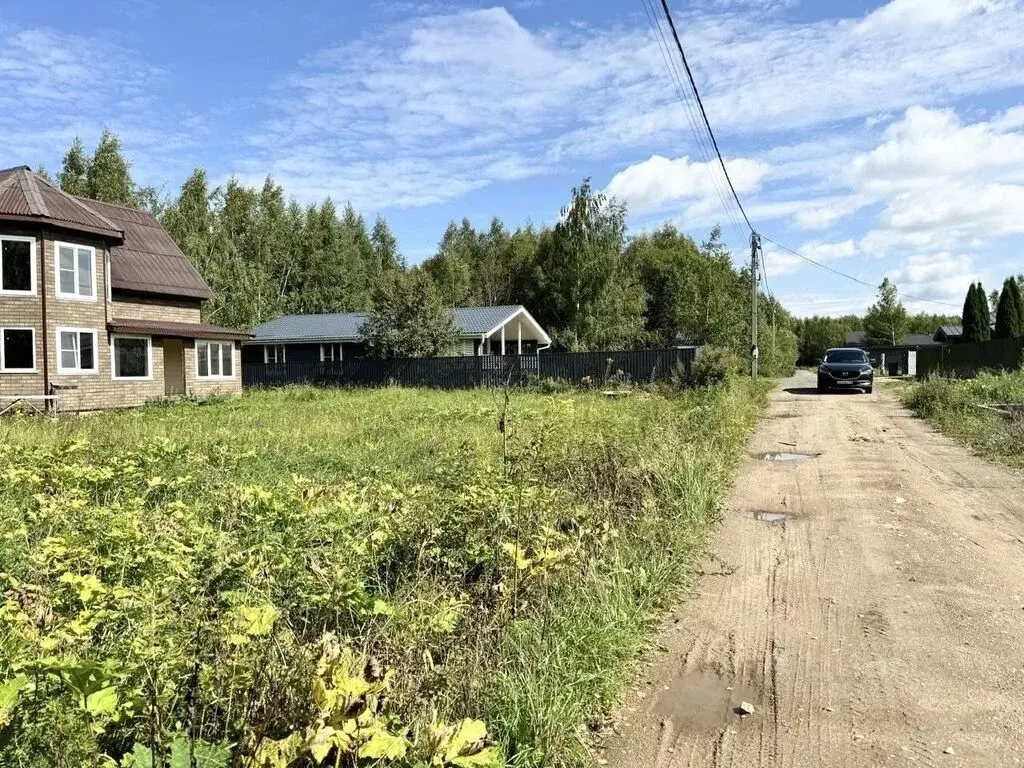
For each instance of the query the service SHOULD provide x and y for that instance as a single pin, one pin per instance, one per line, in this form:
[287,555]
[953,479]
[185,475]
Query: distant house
[894,359]
[98,306]
[949,334]
[507,330]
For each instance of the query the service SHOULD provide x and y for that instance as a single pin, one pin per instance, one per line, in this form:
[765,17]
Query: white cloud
[76,88]
[943,277]
[659,184]
[471,91]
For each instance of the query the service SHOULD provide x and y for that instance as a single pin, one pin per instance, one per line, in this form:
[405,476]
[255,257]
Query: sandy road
[879,623]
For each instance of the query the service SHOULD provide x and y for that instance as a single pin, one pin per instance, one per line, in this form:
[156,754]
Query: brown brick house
[99,306]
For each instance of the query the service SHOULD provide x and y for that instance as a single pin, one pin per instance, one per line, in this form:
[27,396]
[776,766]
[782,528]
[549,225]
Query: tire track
[876,624]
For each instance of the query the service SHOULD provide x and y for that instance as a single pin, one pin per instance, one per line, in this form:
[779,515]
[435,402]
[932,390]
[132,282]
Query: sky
[882,139]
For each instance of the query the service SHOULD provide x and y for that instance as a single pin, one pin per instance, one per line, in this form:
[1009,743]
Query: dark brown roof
[28,196]
[143,257]
[149,261]
[184,330]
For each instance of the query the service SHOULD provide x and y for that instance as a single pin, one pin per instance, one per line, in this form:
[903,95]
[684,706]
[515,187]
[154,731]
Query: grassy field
[402,577]
[955,406]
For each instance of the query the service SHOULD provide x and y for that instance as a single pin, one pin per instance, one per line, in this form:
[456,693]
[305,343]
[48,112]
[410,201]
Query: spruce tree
[1016,331]
[984,314]
[967,319]
[1008,320]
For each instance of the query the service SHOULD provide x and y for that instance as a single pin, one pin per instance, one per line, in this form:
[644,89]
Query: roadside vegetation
[969,409]
[396,577]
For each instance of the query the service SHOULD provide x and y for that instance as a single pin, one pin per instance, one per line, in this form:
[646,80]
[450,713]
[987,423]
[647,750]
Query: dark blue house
[507,330]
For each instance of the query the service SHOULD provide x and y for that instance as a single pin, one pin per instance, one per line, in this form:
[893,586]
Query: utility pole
[755,243]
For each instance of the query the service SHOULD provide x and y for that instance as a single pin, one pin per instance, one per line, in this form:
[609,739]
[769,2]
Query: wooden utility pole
[754,352]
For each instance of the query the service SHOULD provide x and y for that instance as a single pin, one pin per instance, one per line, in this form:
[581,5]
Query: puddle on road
[785,456]
[770,517]
[700,701]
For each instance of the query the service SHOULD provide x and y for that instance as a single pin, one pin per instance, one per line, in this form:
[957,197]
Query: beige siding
[209,387]
[96,390]
[23,312]
[169,310]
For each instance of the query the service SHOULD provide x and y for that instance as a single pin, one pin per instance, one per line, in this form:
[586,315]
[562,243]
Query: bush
[714,366]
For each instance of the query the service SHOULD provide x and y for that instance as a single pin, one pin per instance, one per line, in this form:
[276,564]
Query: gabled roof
[854,338]
[474,321]
[143,257]
[470,322]
[332,327]
[27,196]
[149,261]
[917,340]
[949,331]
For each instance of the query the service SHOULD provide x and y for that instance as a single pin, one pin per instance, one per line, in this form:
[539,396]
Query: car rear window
[845,356]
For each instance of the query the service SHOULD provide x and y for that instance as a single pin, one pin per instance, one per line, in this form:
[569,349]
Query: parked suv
[845,368]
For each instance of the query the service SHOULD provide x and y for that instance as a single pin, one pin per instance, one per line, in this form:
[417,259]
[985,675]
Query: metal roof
[184,330]
[950,330]
[149,261]
[143,257]
[28,196]
[470,321]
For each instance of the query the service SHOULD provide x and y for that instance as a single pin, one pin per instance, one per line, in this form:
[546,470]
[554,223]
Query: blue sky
[884,138]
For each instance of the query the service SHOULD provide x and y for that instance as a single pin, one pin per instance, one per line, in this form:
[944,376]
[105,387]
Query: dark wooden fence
[595,368]
[965,360]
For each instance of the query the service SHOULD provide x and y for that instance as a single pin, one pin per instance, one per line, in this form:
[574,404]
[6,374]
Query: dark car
[846,369]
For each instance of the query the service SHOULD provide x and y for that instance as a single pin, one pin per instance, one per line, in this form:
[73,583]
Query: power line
[703,112]
[851,277]
[704,148]
[732,188]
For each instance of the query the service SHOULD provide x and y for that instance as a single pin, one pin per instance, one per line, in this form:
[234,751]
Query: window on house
[215,359]
[273,354]
[76,349]
[76,276]
[132,357]
[17,350]
[17,265]
[330,352]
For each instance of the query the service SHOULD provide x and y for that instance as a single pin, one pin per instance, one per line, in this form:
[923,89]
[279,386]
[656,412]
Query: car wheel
[868,390]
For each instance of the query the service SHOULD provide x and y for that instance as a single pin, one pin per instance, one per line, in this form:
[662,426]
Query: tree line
[886,322]
[589,283]
[1006,306]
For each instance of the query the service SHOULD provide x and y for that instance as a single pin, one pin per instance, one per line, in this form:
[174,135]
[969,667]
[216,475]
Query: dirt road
[868,602]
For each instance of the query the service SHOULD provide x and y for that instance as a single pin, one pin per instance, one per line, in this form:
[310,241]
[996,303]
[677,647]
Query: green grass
[173,574]
[954,406]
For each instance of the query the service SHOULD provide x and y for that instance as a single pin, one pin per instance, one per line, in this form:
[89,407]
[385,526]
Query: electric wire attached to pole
[755,236]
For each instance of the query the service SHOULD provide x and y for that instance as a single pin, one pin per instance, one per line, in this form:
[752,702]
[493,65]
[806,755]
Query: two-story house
[99,306]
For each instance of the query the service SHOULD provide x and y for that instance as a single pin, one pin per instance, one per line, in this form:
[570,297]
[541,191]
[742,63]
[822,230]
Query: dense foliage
[977,320]
[886,321]
[424,578]
[958,407]
[407,318]
[585,281]
[1009,311]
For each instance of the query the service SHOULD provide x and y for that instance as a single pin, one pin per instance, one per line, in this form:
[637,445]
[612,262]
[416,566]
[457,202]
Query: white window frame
[95,352]
[31,262]
[329,347]
[76,247]
[113,357]
[278,359]
[3,362]
[220,376]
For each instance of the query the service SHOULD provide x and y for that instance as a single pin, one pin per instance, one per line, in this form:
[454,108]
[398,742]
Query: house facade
[504,330]
[894,360]
[98,306]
